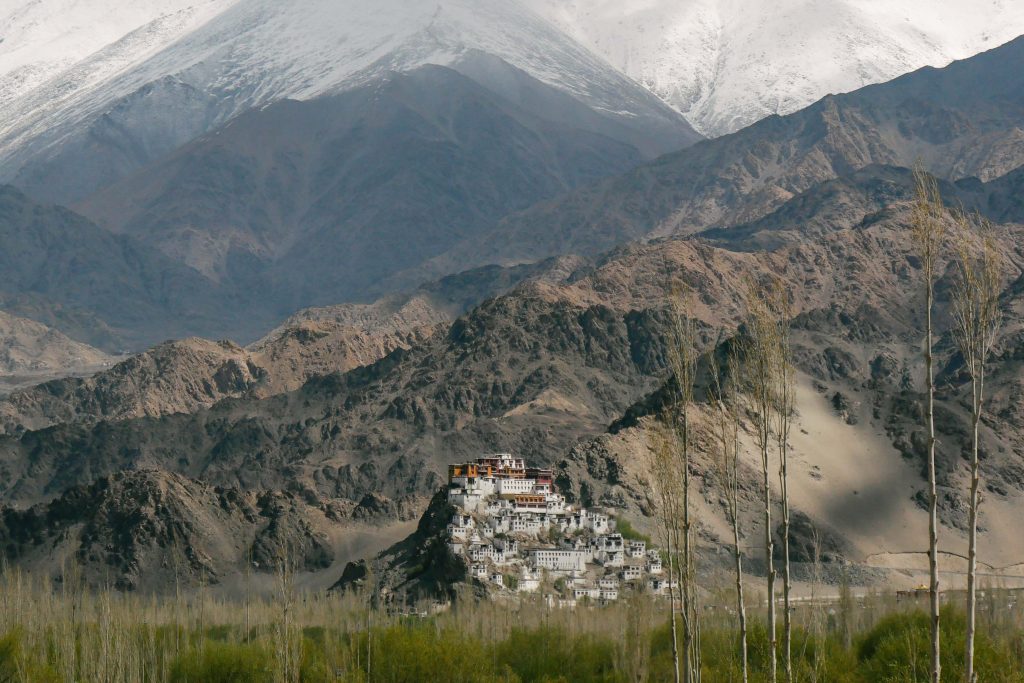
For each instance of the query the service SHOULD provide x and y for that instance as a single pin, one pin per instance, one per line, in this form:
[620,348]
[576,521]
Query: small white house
[632,573]
[590,592]
[461,526]
[661,586]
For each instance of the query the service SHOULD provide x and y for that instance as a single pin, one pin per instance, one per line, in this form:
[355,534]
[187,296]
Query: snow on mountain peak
[722,63]
[54,70]
[727,63]
[40,40]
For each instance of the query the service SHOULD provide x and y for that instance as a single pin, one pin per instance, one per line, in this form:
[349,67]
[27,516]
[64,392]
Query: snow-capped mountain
[41,40]
[181,68]
[727,63]
[722,63]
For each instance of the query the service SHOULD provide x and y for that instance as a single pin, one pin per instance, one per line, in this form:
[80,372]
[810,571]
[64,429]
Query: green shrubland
[294,638]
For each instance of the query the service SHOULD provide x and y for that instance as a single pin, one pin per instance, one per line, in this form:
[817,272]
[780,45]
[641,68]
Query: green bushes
[219,662]
[411,653]
[551,654]
[15,667]
[624,527]
[422,652]
[897,650]
[820,658]
[47,637]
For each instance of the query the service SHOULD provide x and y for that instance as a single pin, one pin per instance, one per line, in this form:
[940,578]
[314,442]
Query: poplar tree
[666,485]
[977,319]
[928,232]
[785,392]
[759,374]
[682,358]
[727,427]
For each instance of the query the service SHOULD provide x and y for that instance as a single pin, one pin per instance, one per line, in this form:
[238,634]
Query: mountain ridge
[960,121]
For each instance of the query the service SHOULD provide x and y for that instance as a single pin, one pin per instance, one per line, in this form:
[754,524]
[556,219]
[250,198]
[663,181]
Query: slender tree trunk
[666,484]
[683,613]
[933,497]
[696,623]
[728,426]
[689,618]
[787,619]
[684,567]
[682,360]
[977,386]
[369,637]
[672,600]
[741,610]
[978,318]
[740,607]
[786,403]
[769,548]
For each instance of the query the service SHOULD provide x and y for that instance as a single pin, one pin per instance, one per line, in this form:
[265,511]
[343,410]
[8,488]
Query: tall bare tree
[977,319]
[760,374]
[928,231]
[682,357]
[727,427]
[785,393]
[667,488]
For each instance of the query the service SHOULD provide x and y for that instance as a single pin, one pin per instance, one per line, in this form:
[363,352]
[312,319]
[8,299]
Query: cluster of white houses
[513,529]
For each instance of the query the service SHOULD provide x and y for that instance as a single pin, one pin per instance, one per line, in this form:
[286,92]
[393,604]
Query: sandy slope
[853,478]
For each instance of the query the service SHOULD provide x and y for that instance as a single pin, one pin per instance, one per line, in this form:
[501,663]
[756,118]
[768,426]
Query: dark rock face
[390,427]
[419,566]
[810,543]
[354,575]
[147,530]
[106,289]
[348,191]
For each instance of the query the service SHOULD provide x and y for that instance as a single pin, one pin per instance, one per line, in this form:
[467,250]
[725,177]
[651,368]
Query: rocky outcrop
[183,376]
[419,566]
[29,349]
[151,530]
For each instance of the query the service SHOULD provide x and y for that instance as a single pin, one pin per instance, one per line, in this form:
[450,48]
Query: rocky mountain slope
[422,171]
[148,528]
[110,290]
[858,452]
[182,376]
[30,350]
[545,368]
[310,203]
[727,64]
[963,120]
[342,194]
[351,414]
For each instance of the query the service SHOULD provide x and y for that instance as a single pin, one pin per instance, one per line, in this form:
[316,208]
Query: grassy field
[64,635]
